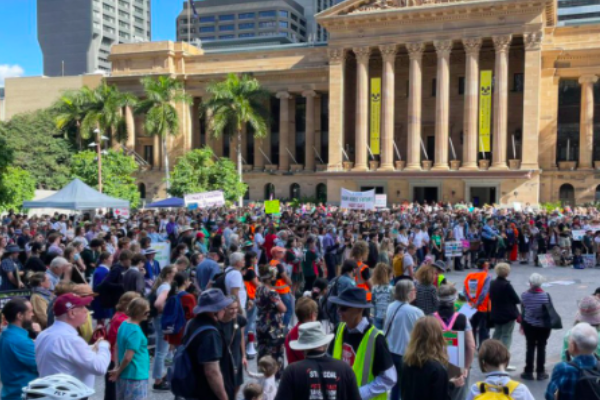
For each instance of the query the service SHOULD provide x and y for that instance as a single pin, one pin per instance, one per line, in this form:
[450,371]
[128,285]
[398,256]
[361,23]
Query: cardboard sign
[121,212]
[453,248]
[206,199]
[380,200]
[163,253]
[589,260]
[272,207]
[546,260]
[358,200]
[455,341]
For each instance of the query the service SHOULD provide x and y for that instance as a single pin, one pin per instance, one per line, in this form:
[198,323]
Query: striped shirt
[533,300]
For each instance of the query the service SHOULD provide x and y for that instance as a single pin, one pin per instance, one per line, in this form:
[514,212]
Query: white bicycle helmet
[56,387]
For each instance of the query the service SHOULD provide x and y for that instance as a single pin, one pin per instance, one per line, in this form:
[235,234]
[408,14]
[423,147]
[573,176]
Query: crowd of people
[333,303]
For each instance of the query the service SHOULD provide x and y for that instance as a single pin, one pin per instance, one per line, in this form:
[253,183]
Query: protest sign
[121,212]
[546,260]
[589,260]
[272,207]
[163,253]
[578,234]
[358,200]
[453,248]
[455,341]
[380,200]
[206,199]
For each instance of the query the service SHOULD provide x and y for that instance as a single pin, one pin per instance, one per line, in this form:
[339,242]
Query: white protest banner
[453,248]
[163,253]
[206,199]
[121,212]
[578,234]
[380,200]
[358,200]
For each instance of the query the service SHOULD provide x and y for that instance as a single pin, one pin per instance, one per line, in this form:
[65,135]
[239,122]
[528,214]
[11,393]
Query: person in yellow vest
[362,346]
[283,284]
[359,253]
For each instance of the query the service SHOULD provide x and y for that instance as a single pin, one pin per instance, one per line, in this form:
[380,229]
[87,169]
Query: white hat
[311,336]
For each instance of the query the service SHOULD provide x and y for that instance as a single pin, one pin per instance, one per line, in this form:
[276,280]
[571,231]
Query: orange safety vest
[474,283]
[360,282]
[281,285]
[250,288]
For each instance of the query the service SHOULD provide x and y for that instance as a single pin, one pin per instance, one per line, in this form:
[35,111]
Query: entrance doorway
[424,194]
[483,195]
[378,189]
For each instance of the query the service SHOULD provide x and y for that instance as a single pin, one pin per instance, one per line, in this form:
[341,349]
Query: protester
[133,278]
[41,296]
[504,311]
[477,289]
[11,270]
[426,298]
[283,283]
[306,311]
[232,326]
[207,270]
[268,368]
[334,379]
[59,349]
[253,391]
[589,312]
[58,270]
[182,300]
[234,281]
[104,261]
[400,320]
[382,293]
[18,366]
[352,332]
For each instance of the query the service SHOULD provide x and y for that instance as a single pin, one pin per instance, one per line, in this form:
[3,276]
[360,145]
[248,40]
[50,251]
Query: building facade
[76,36]
[224,20]
[578,12]
[430,66]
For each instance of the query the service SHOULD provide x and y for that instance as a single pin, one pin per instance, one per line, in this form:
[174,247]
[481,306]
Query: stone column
[470,128]
[502,45]
[130,123]
[388,52]
[362,107]
[442,103]
[586,124]
[415,52]
[337,64]
[263,144]
[531,100]
[284,130]
[309,136]
[318,100]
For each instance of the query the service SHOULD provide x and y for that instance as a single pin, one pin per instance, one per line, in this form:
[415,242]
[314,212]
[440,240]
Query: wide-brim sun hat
[352,297]
[589,311]
[212,300]
[311,336]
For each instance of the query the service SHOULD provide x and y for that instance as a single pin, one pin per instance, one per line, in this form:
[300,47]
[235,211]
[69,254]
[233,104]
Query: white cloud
[10,71]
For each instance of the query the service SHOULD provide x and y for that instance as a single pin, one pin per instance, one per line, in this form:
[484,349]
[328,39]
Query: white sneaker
[511,368]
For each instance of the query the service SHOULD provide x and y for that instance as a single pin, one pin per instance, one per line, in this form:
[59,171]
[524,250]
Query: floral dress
[270,333]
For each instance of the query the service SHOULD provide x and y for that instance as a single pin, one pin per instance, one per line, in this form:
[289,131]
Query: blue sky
[20,53]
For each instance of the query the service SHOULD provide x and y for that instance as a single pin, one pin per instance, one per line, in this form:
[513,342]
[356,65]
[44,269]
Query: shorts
[129,389]
[563,242]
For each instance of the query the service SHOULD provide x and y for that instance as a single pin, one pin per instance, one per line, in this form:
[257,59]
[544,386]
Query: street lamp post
[98,146]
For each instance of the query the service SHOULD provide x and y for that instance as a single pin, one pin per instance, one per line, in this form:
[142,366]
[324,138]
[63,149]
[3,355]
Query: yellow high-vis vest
[363,363]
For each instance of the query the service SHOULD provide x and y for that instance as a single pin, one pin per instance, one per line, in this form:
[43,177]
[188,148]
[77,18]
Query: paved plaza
[565,299]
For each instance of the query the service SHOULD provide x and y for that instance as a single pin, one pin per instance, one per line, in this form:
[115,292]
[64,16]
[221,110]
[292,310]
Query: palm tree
[162,94]
[70,111]
[236,102]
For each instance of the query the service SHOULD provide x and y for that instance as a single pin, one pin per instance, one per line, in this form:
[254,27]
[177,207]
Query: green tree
[236,102]
[38,147]
[16,186]
[200,171]
[117,173]
[162,94]
[70,111]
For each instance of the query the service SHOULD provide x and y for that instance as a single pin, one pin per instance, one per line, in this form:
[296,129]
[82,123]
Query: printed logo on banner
[121,212]
[206,199]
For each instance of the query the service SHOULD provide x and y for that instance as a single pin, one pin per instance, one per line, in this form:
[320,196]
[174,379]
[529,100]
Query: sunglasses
[343,308]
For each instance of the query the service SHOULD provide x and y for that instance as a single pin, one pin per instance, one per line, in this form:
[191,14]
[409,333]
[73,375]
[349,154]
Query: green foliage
[199,171]
[551,206]
[16,185]
[117,171]
[38,147]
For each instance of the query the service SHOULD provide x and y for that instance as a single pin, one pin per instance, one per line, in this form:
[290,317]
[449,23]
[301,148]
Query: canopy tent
[77,196]
[170,202]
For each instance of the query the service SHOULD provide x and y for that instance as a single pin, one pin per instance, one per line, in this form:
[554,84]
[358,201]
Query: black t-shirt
[351,341]
[35,264]
[302,380]
[249,275]
[209,346]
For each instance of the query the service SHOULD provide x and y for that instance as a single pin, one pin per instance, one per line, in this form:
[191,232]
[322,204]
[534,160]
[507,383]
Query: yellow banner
[375,115]
[485,110]
[272,207]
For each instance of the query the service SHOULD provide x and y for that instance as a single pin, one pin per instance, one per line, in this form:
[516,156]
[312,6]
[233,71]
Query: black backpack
[219,281]
[588,383]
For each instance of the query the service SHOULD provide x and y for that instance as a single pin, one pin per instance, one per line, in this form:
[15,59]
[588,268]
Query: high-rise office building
[316,33]
[578,12]
[76,35]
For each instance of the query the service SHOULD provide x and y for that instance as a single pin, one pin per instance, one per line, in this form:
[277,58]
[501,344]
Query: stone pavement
[565,301]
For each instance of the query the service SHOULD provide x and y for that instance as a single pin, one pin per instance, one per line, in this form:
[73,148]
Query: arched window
[142,190]
[597,197]
[566,195]
[269,191]
[321,194]
[247,194]
[294,191]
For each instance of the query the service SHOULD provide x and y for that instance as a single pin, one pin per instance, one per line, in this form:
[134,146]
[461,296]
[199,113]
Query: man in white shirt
[60,350]
[234,282]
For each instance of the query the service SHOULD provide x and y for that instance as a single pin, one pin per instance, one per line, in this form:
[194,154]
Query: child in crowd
[267,367]
[253,391]
[578,260]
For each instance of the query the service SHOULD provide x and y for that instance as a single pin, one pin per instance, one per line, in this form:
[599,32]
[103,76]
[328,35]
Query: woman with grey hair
[400,319]
[532,325]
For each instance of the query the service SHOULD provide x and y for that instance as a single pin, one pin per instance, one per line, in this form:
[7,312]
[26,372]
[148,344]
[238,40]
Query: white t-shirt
[234,280]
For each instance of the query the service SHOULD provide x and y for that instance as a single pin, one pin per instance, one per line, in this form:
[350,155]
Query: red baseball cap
[69,301]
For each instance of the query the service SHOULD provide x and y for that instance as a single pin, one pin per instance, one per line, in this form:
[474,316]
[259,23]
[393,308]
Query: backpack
[330,309]
[219,281]
[588,383]
[498,392]
[173,318]
[181,376]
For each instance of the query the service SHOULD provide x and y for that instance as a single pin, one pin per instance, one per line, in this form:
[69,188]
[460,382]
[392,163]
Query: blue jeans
[378,322]
[251,315]
[289,305]
[160,351]
[397,359]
